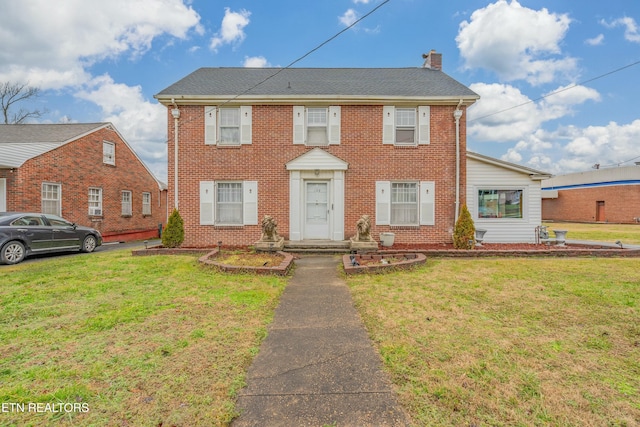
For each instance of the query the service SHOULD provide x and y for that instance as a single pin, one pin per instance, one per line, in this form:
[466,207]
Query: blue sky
[103,61]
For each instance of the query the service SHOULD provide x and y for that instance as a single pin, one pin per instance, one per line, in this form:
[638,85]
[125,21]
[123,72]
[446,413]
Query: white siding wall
[481,175]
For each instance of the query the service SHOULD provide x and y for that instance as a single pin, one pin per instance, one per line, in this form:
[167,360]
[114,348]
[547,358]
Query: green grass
[510,342]
[153,340]
[626,233]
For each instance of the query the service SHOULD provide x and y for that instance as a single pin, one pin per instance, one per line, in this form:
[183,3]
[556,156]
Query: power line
[557,91]
[311,51]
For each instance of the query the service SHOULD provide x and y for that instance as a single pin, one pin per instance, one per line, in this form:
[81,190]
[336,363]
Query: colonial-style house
[504,199]
[84,172]
[316,148]
[599,195]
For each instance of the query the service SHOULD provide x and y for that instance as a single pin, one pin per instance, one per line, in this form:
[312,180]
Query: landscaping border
[281,270]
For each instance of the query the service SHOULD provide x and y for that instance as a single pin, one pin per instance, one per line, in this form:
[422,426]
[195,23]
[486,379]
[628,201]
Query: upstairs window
[230,126]
[108,153]
[95,201]
[227,126]
[316,126]
[406,127]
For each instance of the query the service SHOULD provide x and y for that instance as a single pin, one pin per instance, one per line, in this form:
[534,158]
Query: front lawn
[132,341]
[610,233]
[510,342]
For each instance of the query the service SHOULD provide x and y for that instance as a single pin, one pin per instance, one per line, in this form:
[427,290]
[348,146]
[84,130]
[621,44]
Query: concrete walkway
[317,366]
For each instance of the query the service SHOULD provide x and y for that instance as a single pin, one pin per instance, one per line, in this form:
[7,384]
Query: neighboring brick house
[86,173]
[316,148]
[600,195]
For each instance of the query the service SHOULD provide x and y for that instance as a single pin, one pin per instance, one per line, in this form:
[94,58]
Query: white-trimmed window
[126,203]
[494,203]
[51,197]
[146,203]
[228,203]
[108,153]
[316,126]
[406,127]
[405,203]
[230,126]
[95,201]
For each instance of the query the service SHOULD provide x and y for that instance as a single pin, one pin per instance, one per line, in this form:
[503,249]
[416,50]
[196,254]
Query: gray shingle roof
[19,143]
[301,82]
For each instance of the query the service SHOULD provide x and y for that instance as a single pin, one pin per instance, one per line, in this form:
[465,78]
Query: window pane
[229,203]
[146,203]
[230,125]
[51,199]
[317,117]
[500,203]
[126,203]
[405,117]
[404,203]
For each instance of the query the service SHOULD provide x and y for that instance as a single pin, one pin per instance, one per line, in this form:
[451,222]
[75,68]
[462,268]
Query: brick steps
[317,246]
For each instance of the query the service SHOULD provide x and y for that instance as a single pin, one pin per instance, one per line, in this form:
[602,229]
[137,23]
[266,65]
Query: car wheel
[12,253]
[89,243]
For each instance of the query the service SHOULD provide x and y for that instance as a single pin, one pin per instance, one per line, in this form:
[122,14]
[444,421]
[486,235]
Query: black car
[23,234]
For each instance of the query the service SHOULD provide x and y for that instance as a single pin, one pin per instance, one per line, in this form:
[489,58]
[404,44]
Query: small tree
[464,233]
[173,233]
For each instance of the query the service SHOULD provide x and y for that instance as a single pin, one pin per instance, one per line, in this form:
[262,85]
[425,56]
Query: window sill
[109,164]
[227,226]
[405,146]
[404,227]
[222,145]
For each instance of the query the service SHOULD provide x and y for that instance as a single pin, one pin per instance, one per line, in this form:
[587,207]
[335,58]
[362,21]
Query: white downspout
[457,114]
[175,112]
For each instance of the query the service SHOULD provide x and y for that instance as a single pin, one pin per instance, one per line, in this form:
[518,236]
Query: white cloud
[232,28]
[256,62]
[348,18]
[596,41]
[574,149]
[70,38]
[142,123]
[631,31]
[516,42]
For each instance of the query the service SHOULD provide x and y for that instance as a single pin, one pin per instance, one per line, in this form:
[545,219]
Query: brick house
[600,195]
[86,173]
[316,148]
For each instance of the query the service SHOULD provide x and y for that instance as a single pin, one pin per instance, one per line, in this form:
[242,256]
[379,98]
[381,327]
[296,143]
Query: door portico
[316,204]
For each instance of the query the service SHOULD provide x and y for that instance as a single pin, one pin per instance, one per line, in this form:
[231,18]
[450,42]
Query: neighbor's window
[405,126]
[109,153]
[404,203]
[51,199]
[317,126]
[126,203]
[229,203]
[230,126]
[95,201]
[500,203]
[146,203]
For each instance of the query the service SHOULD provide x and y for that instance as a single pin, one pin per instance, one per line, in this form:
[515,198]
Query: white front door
[317,210]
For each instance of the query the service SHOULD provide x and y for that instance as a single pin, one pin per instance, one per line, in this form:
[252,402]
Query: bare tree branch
[13,93]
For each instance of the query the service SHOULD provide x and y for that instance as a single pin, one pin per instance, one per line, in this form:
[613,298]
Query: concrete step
[317,246]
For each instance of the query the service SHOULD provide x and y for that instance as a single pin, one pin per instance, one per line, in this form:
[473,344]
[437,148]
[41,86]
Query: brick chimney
[432,60]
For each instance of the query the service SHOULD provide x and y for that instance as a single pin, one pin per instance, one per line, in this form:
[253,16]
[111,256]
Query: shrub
[173,234]
[464,233]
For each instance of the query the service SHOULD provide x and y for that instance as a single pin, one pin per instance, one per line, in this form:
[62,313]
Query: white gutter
[457,114]
[175,112]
